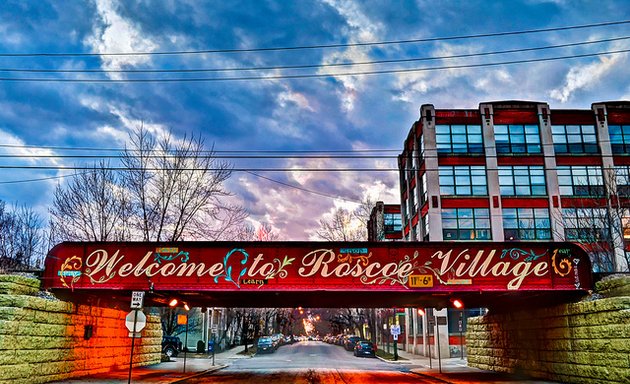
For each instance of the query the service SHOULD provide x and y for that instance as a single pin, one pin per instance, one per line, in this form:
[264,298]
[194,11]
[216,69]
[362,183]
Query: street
[312,362]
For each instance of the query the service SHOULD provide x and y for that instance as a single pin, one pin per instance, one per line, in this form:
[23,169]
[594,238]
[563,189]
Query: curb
[213,369]
[395,361]
[427,376]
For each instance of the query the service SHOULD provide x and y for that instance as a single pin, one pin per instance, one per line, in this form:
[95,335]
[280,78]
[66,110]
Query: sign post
[181,320]
[430,324]
[133,339]
[441,320]
[135,322]
[214,347]
[461,334]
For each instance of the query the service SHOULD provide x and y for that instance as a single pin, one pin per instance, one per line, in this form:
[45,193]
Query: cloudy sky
[312,108]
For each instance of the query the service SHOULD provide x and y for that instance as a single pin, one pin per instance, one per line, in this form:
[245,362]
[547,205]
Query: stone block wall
[43,339]
[585,342]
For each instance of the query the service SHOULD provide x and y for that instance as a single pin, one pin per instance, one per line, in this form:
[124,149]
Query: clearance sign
[318,266]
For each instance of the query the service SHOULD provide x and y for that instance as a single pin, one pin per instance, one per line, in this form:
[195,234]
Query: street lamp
[187,308]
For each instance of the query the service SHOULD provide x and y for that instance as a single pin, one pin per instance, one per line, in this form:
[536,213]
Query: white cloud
[360,29]
[295,213]
[288,97]
[17,147]
[114,34]
[583,76]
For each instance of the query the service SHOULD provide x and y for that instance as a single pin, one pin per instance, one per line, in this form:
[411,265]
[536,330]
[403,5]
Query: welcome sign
[322,266]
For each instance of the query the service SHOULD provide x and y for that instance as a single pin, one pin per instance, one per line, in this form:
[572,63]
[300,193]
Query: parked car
[350,342]
[277,339]
[365,348]
[265,344]
[171,345]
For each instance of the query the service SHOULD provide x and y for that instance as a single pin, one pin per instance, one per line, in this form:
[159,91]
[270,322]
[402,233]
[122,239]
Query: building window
[423,189]
[421,147]
[586,224]
[579,180]
[574,139]
[622,178]
[413,202]
[521,180]
[625,225]
[463,180]
[404,210]
[392,223]
[526,224]
[425,227]
[458,139]
[619,138]
[517,138]
[466,224]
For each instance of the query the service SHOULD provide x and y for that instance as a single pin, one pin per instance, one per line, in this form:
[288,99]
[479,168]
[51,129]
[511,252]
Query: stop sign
[141,320]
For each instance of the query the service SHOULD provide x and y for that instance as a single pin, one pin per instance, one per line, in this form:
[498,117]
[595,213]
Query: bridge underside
[324,299]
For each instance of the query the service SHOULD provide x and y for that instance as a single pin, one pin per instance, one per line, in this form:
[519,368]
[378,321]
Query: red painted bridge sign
[278,274]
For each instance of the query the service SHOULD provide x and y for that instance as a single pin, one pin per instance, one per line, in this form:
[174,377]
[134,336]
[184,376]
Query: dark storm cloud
[332,113]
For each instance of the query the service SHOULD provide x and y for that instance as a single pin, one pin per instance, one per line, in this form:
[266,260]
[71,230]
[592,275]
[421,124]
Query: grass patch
[251,351]
[387,356]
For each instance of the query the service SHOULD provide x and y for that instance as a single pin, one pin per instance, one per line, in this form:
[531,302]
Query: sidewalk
[166,372]
[456,370]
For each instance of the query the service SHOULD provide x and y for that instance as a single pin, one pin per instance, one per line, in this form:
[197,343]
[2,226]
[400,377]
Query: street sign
[395,329]
[395,337]
[421,281]
[140,320]
[137,299]
[182,319]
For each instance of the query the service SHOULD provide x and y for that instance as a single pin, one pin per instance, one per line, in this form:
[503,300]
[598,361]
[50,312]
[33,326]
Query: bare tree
[168,191]
[347,225]
[247,232]
[341,227]
[21,238]
[92,207]
[348,318]
[364,210]
[601,229]
[176,185]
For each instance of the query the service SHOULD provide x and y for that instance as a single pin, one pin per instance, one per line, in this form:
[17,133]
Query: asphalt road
[311,362]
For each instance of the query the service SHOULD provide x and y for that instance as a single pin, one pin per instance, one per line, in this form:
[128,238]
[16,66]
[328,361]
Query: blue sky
[324,113]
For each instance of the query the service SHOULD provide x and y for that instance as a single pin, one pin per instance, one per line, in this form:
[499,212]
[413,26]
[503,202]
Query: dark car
[265,344]
[365,348]
[171,345]
[350,342]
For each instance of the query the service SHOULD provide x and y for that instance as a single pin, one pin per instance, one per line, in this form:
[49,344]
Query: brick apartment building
[518,170]
[510,171]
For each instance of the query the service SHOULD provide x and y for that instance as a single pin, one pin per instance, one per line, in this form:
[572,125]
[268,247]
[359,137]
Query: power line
[88,168]
[288,154]
[39,179]
[303,189]
[19,156]
[307,76]
[317,46]
[312,66]
[320,151]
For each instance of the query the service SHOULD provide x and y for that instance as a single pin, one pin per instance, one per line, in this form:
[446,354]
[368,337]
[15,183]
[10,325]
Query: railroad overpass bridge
[320,274]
